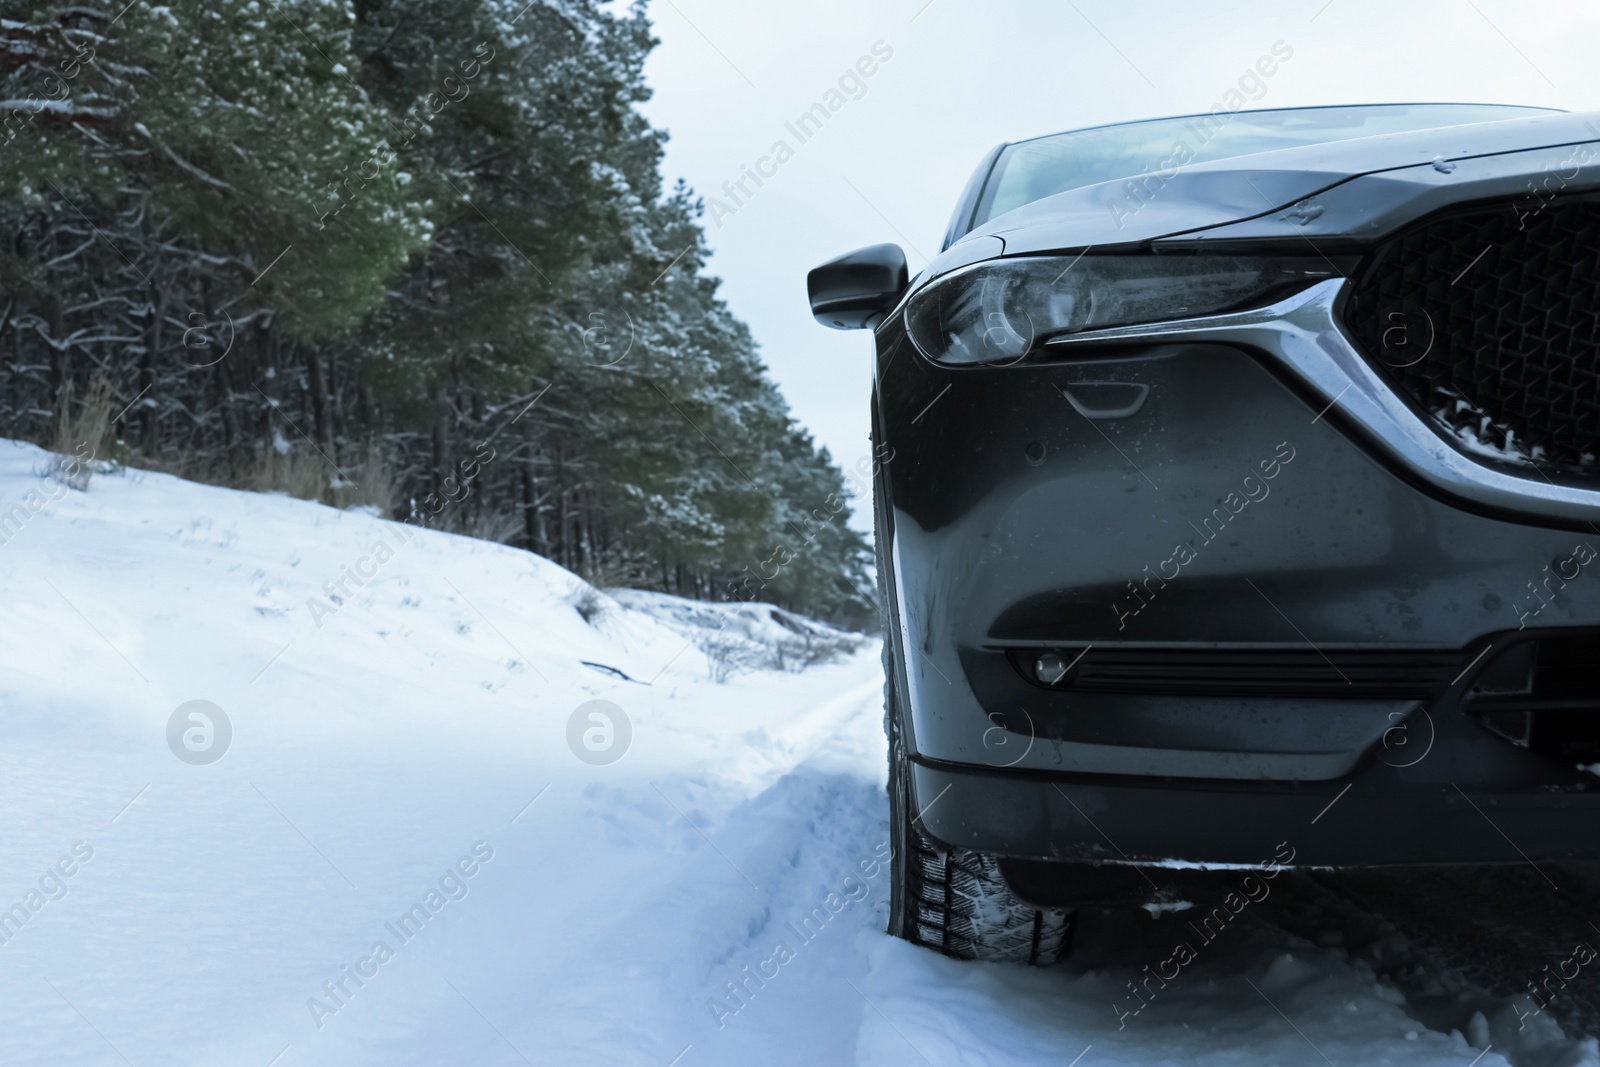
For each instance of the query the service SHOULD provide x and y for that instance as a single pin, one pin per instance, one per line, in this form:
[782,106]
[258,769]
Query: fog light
[1050,668]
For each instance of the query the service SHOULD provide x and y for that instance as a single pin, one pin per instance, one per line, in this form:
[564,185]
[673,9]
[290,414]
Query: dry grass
[377,483]
[591,604]
[207,470]
[499,527]
[299,473]
[305,474]
[795,654]
[728,654]
[617,574]
[81,432]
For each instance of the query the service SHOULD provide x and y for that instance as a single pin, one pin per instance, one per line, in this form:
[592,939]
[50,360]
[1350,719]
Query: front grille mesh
[1490,322]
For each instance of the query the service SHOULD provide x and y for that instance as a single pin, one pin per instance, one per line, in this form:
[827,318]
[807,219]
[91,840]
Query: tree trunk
[530,502]
[321,403]
[562,556]
[145,382]
[441,433]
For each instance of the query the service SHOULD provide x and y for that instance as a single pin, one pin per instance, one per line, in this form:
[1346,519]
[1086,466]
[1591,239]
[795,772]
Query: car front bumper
[1242,485]
[1371,819]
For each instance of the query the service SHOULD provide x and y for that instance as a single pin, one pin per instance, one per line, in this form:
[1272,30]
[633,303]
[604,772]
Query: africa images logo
[199,732]
[599,732]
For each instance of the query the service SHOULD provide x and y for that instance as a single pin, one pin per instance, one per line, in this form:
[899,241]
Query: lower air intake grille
[1543,693]
[1365,675]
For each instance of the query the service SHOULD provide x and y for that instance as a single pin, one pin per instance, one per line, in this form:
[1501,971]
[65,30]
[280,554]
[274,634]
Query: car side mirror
[855,291]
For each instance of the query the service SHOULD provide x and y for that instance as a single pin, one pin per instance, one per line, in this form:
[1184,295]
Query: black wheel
[954,900]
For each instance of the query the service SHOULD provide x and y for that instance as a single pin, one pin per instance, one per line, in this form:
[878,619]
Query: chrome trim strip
[1304,333]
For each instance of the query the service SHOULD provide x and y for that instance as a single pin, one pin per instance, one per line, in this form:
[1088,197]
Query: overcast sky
[963,76]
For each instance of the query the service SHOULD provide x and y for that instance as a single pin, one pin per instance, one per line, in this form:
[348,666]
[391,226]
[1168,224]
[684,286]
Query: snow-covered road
[400,858]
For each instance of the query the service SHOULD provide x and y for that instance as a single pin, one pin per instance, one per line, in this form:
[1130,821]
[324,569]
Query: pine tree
[412,254]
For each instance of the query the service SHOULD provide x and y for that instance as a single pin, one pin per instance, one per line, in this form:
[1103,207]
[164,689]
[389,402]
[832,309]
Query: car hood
[1230,190]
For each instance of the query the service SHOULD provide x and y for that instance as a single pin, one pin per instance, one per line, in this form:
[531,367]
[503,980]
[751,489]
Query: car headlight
[998,311]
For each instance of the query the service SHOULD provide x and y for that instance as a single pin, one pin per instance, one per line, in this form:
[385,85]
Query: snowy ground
[410,747]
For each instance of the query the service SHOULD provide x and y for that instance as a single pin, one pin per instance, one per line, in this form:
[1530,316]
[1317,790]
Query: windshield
[1032,170]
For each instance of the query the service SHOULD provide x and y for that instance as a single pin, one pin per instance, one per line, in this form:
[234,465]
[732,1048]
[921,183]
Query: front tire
[954,900]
